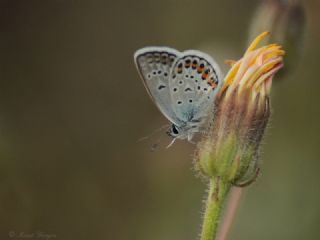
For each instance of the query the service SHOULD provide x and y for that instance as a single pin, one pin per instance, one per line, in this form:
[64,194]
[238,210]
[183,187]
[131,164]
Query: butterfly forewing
[154,65]
[194,80]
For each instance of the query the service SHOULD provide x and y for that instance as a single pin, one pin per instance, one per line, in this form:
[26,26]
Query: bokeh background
[72,108]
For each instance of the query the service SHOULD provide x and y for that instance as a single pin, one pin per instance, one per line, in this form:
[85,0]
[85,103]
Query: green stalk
[218,191]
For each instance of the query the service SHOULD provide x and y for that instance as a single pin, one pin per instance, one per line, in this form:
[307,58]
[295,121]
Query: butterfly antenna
[172,142]
[154,132]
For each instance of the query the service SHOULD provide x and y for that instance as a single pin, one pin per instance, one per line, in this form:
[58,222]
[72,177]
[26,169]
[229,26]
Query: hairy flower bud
[242,109]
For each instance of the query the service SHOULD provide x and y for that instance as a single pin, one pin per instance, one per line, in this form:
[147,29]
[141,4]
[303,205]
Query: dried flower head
[242,109]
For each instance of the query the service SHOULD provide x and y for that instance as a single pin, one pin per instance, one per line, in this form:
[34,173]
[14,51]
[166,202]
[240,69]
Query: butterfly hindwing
[194,81]
[154,65]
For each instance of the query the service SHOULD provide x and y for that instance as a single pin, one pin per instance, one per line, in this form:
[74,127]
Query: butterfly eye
[174,130]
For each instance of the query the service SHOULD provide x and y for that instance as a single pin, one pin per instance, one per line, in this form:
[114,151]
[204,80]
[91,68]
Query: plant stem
[230,212]
[218,190]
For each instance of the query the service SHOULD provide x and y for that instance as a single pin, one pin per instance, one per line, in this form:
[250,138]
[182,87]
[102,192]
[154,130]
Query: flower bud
[242,109]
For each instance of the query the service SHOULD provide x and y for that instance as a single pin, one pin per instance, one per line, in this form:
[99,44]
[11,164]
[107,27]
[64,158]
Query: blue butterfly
[183,86]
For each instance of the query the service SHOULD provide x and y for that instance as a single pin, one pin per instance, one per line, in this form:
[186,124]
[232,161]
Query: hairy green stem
[218,191]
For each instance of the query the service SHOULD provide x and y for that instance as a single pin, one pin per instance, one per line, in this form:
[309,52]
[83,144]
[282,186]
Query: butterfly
[182,85]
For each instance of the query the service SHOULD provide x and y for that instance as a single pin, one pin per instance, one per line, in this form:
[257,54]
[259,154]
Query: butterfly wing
[194,81]
[154,65]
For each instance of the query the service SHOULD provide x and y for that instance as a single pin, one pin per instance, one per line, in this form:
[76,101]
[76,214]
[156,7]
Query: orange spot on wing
[204,76]
[212,84]
[200,69]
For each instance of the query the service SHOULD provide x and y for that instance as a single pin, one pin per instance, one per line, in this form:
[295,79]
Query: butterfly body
[181,84]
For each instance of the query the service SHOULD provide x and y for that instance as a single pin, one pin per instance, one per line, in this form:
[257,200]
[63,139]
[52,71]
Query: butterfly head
[180,132]
[174,131]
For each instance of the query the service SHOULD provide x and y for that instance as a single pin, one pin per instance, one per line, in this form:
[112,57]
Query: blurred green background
[72,108]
